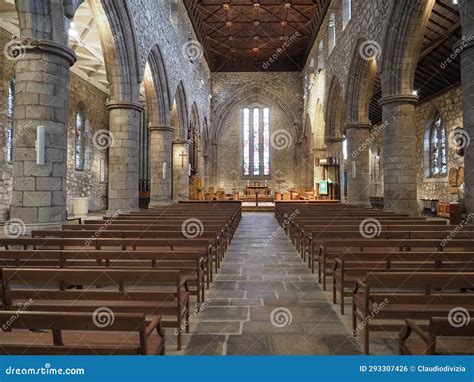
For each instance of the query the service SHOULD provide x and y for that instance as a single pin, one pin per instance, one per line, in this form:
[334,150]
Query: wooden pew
[76,333]
[191,265]
[114,244]
[392,296]
[150,292]
[456,340]
[310,234]
[330,248]
[218,245]
[350,267]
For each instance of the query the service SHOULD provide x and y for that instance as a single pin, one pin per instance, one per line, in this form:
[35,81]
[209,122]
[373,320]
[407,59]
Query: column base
[160,203]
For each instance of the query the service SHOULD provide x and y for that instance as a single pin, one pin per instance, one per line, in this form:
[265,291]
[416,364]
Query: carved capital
[162,128]
[17,48]
[399,98]
[112,105]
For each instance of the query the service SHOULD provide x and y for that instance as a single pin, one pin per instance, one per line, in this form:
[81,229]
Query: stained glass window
[346,12]
[246,141]
[79,143]
[438,148]
[332,32]
[11,120]
[266,141]
[256,141]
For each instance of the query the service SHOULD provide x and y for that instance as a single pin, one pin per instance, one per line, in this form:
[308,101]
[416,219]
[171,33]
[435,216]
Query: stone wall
[449,107]
[87,182]
[282,93]
[79,183]
[7,72]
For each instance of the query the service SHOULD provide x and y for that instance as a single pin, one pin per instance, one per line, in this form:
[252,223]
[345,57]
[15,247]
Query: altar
[260,190]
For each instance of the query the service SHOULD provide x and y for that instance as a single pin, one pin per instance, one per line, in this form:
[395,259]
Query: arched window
[80,128]
[346,12]
[11,119]
[321,55]
[256,141]
[438,148]
[332,32]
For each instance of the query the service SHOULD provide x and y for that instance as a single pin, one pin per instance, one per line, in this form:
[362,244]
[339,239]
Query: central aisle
[265,300]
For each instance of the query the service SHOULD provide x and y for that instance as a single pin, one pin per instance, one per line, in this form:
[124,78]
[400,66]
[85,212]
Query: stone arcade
[270,158]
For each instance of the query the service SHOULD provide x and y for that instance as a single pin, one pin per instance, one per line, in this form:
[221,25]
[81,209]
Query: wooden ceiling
[241,35]
[434,74]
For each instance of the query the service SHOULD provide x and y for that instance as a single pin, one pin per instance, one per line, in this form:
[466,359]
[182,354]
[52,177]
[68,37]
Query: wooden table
[257,190]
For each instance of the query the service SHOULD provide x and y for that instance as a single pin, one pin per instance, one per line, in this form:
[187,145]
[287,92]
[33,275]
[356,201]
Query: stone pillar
[41,99]
[334,148]
[400,160]
[214,161]
[299,165]
[161,139]
[123,156]
[205,169]
[466,8]
[181,170]
[358,170]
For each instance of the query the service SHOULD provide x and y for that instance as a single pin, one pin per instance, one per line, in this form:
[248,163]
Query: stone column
[123,156]
[299,164]
[358,171]
[400,160]
[181,170]
[214,157]
[41,99]
[334,148]
[466,8]
[161,139]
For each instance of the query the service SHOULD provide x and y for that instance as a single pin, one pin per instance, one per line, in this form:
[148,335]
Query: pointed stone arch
[335,111]
[253,94]
[157,90]
[179,113]
[360,84]
[119,45]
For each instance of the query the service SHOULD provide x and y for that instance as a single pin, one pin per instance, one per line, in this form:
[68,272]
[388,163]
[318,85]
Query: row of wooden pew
[110,285]
[403,273]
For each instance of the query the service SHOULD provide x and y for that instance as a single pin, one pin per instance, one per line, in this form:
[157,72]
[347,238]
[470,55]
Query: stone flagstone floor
[264,300]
